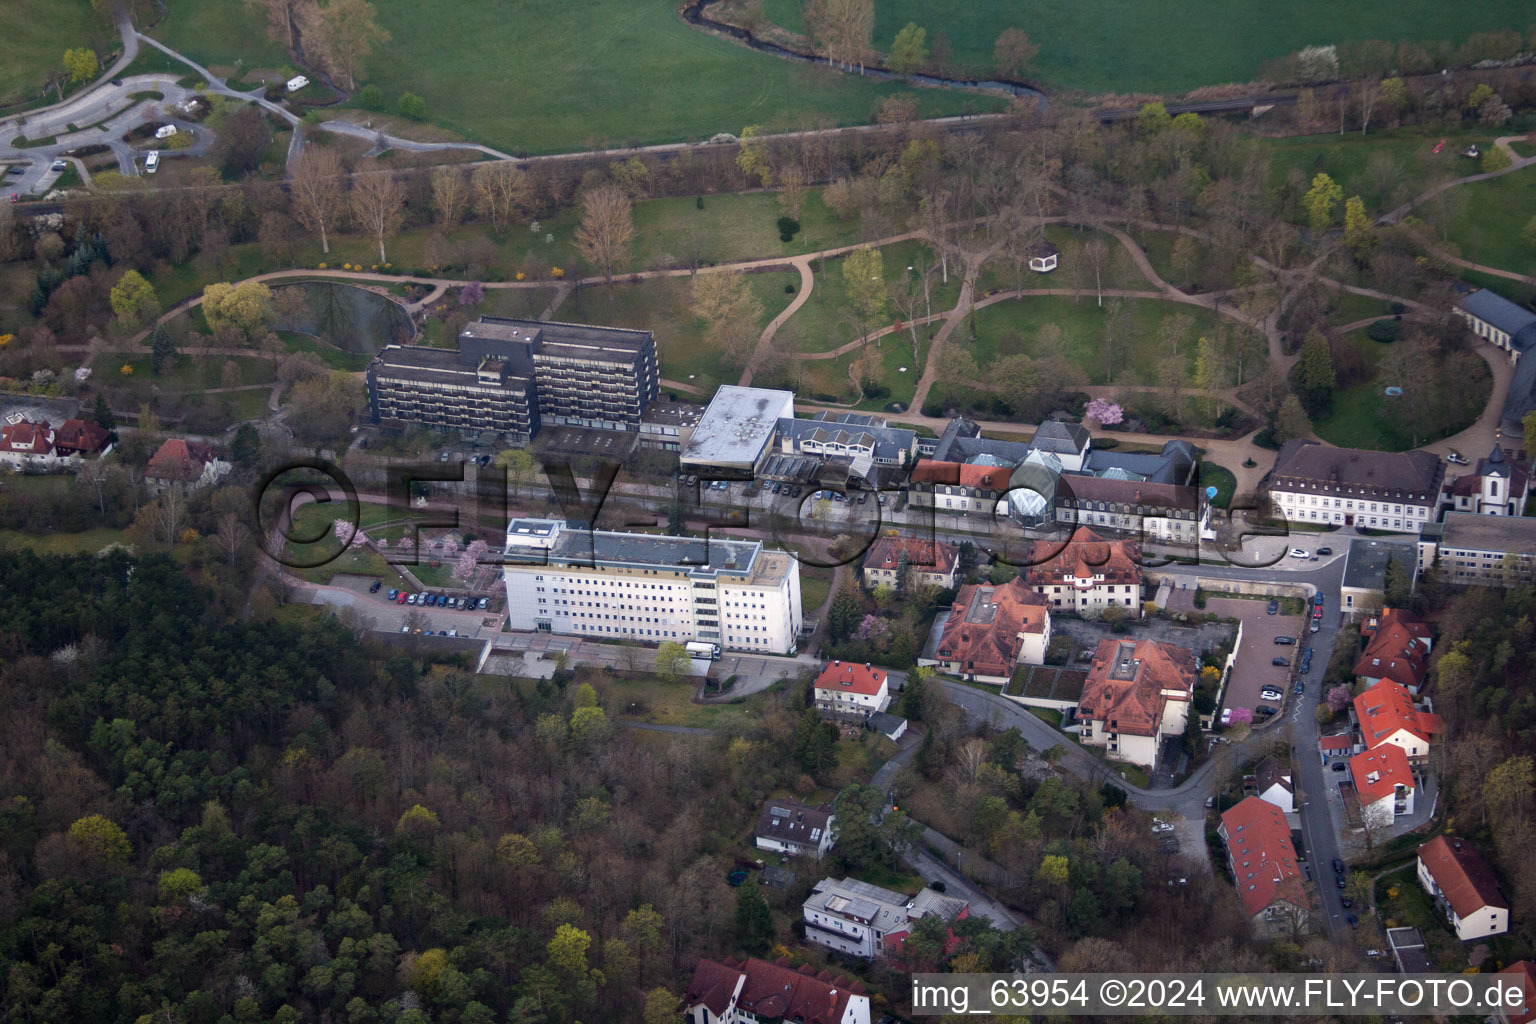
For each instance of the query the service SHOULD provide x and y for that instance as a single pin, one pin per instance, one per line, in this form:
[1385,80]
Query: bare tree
[606,230]
[279,15]
[378,205]
[318,192]
[841,30]
[450,195]
[498,190]
[345,31]
[1367,94]
[1096,255]
[792,181]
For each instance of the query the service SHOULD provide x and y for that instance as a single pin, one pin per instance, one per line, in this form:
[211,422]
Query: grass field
[1007,328]
[896,370]
[662,305]
[335,358]
[549,76]
[1074,271]
[86,542]
[823,323]
[1358,419]
[1165,45]
[1344,158]
[1221,478]
[37,32]
[1491,227]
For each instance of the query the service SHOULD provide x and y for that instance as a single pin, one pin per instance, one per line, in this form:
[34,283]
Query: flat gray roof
[1365,567]
[738,425]
[574,546]
[1488,533]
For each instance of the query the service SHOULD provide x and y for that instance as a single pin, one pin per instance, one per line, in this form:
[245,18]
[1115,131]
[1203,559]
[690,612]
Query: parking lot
[388,616]
[1255,669]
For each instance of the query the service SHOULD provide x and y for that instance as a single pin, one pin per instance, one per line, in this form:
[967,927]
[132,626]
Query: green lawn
[1358,418]
[37,32]
[825,321]
[1074,272]
[333,356]
[86,542]
[1008,328]
[650,699]
[674,231]
[1344,158]
[1349,307]
[1221,478]
[1163,45]
[1491,227]
[544,76]
[662,305]
[190,373]
[813,594]
[896,370]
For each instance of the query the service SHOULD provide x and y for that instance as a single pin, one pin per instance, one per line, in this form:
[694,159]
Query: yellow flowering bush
[6,339]
[521,276]
[322,265]
[374,267]
[127,370]
[556,272]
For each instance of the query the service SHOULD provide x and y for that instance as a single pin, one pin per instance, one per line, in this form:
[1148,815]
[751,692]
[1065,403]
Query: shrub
[1384,331]
[371,96]
[789,289]
[788,226]
[413,106]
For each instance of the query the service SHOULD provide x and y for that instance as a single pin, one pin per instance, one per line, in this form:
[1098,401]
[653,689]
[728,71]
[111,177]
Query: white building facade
[650,589]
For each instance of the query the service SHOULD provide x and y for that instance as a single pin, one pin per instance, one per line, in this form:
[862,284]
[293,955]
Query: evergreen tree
[815,743]
[844,616]
[103,414]
[245,450]
[162,349]
[1314,377]
[754,921]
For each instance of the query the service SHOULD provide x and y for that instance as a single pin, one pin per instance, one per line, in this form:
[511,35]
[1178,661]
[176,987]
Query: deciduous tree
[1359,234]
[730,311]
[841,30]
[80,64]
[450,195]
[134,301]
[498,190]
[245,307]
[909,51]
[348,30]
[1013,52]
[378,206]
[607,228]
[318,191]
[1320,201]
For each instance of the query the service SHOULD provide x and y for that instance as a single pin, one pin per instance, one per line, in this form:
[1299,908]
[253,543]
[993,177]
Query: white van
[165,131]
[152,162]
[296,83]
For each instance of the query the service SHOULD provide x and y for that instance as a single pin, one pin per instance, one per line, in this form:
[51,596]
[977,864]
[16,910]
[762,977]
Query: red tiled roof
[961,474]
[1084,556]
[179,460]
[982,632]
[27,438]
[1263,859]
[772,990]
[1397,648]
[922,555]
[1386,708]
[1526,972]
[1135,705]
[1462,874]
[851,677]
[1329,743]
[81,436]
[1378,773]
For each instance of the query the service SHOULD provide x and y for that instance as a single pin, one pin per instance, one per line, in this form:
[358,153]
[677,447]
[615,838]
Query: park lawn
[518,302]
[1344,158]
[548,77]
[813,594]
[1347,307]
[1072,271]
[86,542]
[731,227]
[246,406]
[1008,328]
[825,321]
[1159,248]
[178,282]
[662,305]
[1358,417]
[1221,478]
[229,32]
[191,373]
[37,32]
[1491,226]
[355,561]
[652,699]
[896,371]
[335,358]
[1163,45]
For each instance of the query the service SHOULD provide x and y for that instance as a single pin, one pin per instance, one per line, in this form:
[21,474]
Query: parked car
[165,131]
[1340,879]
[444,456]
[1284,641]
[1346,902]
[60,165]
[1338,866]
[394,592]
[1281,662]
[1458,458]
[413,599]
[1300,688]
[152,162]
[1299,553]
[1323,551]
[1339,766]
[1270,693]
[863,498]
[400,597]
[1317,613]
[1265,711]
[1274,607]
[1353,920]
[484,603]
[376,585]
[1316,625]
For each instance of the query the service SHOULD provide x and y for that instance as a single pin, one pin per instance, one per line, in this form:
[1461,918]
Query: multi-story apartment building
[1463,887]
[1087,574]
[847,689]
[758,992]
[511,377]
[865,920]
[648,588]
[1487,551]
[1395,491]
[1137,695]
[1265,868]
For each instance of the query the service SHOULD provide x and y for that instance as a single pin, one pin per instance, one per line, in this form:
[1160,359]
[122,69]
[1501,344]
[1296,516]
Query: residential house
[989,630]
[1334,746]
[1386,713]
[1463,886]
[1524,971]
[753,991]
[1384,784]
[1087,574]
[1500,485]
[1263,864]
[865,920]
[1272,784]
[786,826]
[1392,491]
[1136,696]
[1485,551]
[931,562]
[28,445]
[80,437]
[849,689]
[1397,646]
[184,466]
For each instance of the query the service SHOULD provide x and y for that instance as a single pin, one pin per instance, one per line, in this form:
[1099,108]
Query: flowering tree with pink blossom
[1104,412]
[405,543]
[1240,716]
[345,531]
[872,627]
[469,562]
[1338,699]
[381,543]
[449,547]
[472,294]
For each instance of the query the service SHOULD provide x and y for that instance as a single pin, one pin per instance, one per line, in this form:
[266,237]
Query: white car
[1161,826]
[165,131]
[152,162]
[1226,716]
[1458,458]
[1270,694]
[296,83]
[1298,553]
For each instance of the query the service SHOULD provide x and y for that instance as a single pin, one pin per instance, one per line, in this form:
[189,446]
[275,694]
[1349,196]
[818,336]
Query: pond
[351,318]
